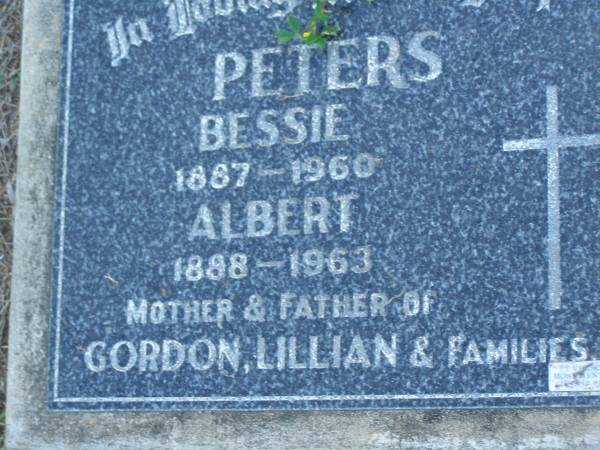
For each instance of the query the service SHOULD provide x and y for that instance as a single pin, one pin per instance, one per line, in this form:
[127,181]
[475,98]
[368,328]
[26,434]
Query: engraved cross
[553,143]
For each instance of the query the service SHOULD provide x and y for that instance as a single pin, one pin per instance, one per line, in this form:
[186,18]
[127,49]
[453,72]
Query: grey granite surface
[32,426]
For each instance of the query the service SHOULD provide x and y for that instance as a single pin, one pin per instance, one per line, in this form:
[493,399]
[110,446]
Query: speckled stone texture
[459,225]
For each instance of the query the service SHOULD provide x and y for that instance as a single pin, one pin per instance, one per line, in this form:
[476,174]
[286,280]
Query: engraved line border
[59,292]
[63,198]
[519,395]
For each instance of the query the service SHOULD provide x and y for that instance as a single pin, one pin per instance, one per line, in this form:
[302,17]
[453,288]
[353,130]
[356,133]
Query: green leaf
[285,36]
[310,38]
[320,13]
[321,16]
[331,30]
[320,28]
[321,42]
[294,24]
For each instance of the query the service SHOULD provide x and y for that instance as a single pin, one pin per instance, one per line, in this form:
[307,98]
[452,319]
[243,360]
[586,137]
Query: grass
[10,47]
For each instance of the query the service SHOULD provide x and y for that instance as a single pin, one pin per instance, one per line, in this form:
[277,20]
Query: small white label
[574,376]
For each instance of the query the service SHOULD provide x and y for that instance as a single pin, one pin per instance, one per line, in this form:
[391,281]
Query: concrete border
[31,426]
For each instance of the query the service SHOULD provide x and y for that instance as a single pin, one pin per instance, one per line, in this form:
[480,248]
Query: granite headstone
[407,218]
